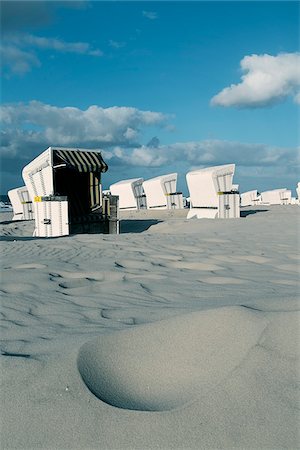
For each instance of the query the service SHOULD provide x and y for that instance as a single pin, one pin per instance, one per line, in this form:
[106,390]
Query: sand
[174,334]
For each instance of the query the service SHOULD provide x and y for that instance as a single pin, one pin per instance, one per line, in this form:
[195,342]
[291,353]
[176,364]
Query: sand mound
[164,365]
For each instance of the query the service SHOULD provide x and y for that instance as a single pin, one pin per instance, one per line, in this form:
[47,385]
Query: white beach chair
[297,200]
[65,184]
[131,193]
[21,203]
[211,193]
[4,207]
[276,197]
[250,198]
[161,192]
[286,197]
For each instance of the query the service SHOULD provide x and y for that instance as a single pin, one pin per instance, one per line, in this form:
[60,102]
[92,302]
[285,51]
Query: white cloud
[150,15]
[18,50]
[118,131]
[27,129]
[213,152]
[71,126]
[54,44]
[130,134]
[267,80]
[297,98]
[19,61]
[116,44]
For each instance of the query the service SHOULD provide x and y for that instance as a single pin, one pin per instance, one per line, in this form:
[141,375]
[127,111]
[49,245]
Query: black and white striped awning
[82,160]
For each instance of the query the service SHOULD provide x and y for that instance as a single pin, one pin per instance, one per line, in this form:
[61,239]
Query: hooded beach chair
[250,198]
[21,203]
[131,193]
[161,192]
[276,197]
[65,184]
[212,194]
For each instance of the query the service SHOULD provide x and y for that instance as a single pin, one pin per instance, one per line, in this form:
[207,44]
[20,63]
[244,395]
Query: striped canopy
[83,161]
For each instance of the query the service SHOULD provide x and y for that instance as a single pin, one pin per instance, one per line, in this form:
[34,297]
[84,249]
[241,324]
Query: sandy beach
[175,334]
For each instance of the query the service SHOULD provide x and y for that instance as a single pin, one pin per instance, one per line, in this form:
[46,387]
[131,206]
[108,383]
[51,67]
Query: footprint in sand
[164,365]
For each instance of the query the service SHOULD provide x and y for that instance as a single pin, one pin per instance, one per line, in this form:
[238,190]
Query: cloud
[297,98]
[116,44]
[70,126]
[18,50]
[150,15]
[154,142]
[17,15]
[53,44]
[27,129]
[214,152]
[267,80]
[18,61]
[119,130]
[258,166]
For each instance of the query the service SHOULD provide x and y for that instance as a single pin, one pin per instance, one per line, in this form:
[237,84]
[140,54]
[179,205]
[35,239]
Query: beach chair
[286,197]
[250,198]
[161,192]
[65,184]
[4,207]
[212,194]
[276,197]
[21,203]
[131,194]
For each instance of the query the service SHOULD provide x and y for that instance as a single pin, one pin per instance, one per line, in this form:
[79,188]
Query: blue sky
[214,82]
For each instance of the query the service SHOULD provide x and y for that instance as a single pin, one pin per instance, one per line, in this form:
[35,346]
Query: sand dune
[164,365]
[175,334]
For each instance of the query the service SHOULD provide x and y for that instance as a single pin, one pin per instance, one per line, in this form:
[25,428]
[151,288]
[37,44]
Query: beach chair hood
[41,173]
[83,161]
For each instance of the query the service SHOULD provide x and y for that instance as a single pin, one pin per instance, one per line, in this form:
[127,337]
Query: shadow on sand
[6,222]
[136,226]
[248,212]
[21,238]
[126,226]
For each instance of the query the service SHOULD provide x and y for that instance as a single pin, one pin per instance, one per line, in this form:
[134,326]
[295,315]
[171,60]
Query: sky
[160,87]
